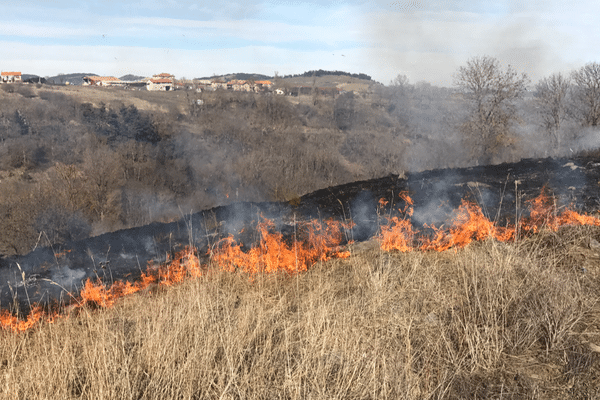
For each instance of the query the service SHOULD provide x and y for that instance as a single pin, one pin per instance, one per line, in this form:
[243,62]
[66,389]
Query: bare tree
[551,94]
[587,93]
[400,81]
[492,93]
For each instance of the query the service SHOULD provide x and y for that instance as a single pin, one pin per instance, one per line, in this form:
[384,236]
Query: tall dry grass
[493,320]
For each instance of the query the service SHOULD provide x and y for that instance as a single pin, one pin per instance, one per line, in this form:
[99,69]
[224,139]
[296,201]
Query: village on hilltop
[167,82]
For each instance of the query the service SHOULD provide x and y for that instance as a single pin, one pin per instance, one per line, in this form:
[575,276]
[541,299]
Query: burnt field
[503,192]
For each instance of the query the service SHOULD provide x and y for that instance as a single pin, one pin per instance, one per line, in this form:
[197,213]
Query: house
[239,86]
[261,86]
[164,75]
[10,77]
[100,81]
[218,84]
[163,84]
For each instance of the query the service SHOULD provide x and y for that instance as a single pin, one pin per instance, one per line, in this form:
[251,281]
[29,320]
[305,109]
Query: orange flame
[273,254]
[321,242]
[471,224]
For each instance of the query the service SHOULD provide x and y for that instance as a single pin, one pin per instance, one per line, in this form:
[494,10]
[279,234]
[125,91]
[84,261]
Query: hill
[73,79]
[240,75]
[131,77]
[320,73]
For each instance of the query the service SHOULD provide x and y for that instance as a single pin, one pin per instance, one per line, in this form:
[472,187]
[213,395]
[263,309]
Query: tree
[587,93]
[551,94]
[400,81]
[491,92]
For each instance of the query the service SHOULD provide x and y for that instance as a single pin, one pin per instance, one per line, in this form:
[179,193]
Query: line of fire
[435,210]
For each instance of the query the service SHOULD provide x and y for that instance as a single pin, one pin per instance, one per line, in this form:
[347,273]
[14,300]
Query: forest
[77,162]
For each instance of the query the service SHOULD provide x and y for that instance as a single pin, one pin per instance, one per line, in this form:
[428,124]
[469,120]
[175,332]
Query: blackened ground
[503,191]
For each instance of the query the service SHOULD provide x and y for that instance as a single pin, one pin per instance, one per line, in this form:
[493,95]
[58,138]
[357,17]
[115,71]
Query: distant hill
[31,78]
[130,77]
[73,79]
[320,73]
[240,75]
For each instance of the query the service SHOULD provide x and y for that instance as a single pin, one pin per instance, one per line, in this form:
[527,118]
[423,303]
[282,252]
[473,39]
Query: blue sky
[425,40]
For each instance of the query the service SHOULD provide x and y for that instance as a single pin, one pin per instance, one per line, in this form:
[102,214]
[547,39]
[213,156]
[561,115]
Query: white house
[10,77]
[160,84]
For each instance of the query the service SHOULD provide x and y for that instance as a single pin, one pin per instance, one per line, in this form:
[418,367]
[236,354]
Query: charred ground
[77,162]
[503,191]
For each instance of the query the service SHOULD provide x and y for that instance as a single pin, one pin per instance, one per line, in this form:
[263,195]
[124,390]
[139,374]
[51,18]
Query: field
[512,319]
[492,320]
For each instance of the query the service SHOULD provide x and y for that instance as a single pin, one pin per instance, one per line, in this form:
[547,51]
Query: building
[239,85]
[218,84]
[163,84]
[261,86]
[10,77]
[164,75]
[101,81]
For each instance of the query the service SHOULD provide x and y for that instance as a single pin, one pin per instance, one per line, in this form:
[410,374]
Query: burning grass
[318,242]
[489,320]
[496,317]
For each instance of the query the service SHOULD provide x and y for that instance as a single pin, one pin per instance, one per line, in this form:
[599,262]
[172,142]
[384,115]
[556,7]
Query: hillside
[492,320]
[239,75]
[72,78]
[131,77]
[81,161]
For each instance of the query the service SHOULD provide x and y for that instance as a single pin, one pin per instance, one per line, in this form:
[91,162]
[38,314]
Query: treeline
[320,72]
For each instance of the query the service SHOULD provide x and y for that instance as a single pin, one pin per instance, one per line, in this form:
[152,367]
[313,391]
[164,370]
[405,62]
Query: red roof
[164,75]
[10,74]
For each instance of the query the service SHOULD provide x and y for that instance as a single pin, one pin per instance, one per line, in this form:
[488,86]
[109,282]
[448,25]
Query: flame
[470,224]
[14,323]
[274,254]
[545,215]
[271,255]
[313,242]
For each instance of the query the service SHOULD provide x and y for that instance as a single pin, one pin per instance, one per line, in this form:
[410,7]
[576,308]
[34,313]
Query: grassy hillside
[492,320]
[80,161]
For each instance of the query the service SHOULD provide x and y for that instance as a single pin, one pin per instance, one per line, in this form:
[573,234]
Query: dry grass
[493,320]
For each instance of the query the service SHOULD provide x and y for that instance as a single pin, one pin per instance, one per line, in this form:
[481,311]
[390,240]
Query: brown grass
[493,320]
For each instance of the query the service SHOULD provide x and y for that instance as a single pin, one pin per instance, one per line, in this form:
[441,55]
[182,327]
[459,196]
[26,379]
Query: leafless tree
[551,95]
[492,93]
[400,81]
[587,93]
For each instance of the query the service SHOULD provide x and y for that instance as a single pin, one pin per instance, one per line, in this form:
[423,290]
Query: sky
[424,40]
